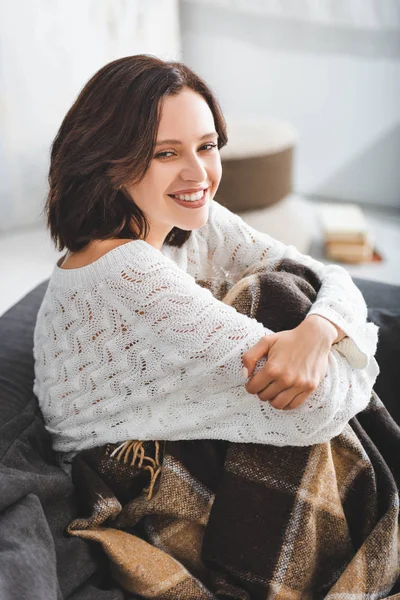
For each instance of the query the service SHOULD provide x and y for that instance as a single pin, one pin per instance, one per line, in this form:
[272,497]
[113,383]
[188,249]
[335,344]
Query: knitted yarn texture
[132,347]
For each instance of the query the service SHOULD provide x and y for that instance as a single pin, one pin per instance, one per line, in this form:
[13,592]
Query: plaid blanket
[207,519]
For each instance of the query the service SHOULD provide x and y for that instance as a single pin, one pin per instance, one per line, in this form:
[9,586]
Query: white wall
[48,50]
[339,86]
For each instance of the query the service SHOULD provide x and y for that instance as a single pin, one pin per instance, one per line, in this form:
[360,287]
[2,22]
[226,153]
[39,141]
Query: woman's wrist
[333,333]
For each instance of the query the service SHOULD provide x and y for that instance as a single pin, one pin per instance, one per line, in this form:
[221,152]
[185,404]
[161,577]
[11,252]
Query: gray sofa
[37,560]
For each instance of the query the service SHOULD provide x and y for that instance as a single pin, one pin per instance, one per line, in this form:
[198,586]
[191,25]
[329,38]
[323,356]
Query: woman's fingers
[289,399]
[297,401]
[270,392]
[284,399]
[272,374]
[264,378]
[282,391]
[259,350]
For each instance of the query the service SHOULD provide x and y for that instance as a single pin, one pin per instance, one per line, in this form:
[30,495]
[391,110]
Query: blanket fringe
[139,459]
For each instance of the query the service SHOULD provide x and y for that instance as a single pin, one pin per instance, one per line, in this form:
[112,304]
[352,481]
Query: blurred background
[310,90]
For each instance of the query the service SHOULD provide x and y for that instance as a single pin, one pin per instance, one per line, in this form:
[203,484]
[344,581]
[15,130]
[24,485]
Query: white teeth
[190,197]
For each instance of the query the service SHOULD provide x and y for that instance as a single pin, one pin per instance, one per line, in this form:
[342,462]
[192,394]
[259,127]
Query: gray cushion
[382,296]
[383,301]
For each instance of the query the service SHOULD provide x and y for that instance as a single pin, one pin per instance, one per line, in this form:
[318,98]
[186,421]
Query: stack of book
[345,232]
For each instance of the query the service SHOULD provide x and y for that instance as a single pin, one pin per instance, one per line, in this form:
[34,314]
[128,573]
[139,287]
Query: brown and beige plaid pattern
[209,519]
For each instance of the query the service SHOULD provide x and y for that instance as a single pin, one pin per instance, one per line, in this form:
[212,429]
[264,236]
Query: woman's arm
[186,348]
[235,246]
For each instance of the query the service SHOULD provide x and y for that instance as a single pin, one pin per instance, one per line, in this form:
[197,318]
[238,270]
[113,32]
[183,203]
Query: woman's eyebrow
[203,137]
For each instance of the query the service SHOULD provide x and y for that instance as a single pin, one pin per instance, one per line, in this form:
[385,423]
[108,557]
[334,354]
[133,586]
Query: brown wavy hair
[107,139]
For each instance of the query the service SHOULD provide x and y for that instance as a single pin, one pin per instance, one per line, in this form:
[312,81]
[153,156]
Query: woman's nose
[194,169]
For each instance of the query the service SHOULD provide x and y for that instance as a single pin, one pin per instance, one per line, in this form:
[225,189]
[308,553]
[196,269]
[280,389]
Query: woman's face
[185,161]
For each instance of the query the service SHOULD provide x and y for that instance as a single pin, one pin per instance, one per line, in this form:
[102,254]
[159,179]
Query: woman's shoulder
[87,270]
[90,253]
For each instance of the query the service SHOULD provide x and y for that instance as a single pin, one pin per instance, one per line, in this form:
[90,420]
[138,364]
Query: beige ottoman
[257,163]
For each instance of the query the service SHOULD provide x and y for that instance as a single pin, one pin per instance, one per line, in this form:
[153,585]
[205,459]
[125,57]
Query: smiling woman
[128,344]
[135,343]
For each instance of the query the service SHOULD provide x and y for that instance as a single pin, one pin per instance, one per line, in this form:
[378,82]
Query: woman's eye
[210,146]
[166,153]
[163,154]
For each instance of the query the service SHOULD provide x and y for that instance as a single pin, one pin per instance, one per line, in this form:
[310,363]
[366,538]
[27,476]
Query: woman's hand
[297,361]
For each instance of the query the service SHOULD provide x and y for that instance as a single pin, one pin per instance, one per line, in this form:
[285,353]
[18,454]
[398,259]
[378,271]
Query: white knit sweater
[131,347]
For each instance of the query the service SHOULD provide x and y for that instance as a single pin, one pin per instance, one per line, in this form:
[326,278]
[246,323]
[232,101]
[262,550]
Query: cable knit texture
[131,347]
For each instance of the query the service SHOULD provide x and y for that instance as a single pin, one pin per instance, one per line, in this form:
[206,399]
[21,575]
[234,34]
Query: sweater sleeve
[186,347]
[234,246]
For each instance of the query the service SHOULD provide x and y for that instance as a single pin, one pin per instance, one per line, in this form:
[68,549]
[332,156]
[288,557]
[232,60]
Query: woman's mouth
[195,200]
